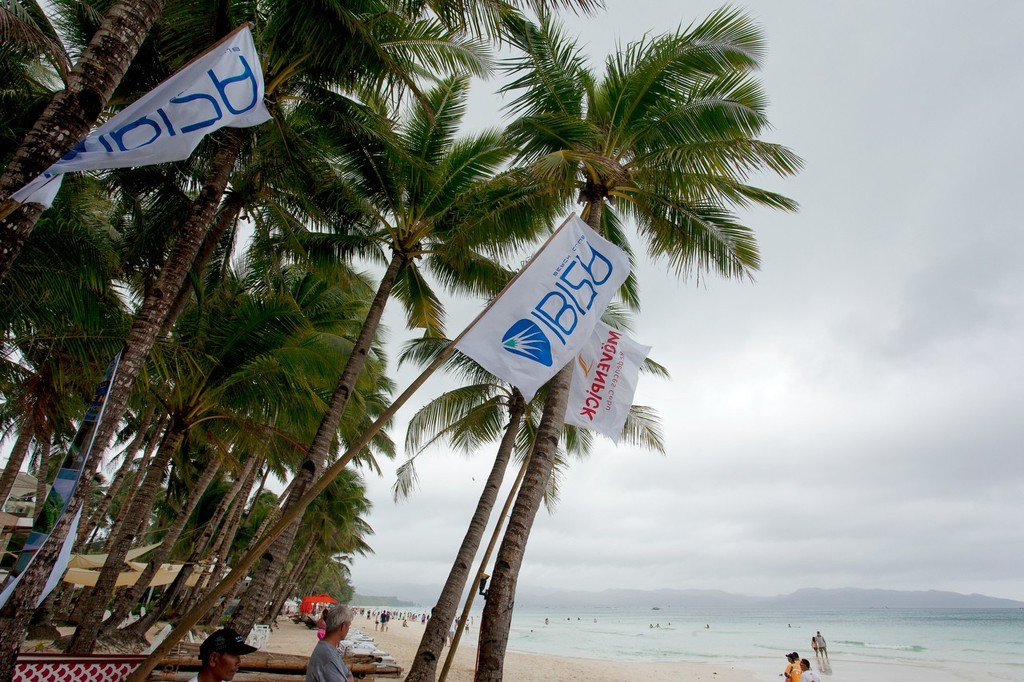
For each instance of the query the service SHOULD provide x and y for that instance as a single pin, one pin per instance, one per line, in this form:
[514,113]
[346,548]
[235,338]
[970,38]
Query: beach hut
[309,603]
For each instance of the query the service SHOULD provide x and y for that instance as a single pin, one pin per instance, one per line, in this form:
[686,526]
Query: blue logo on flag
[525,338]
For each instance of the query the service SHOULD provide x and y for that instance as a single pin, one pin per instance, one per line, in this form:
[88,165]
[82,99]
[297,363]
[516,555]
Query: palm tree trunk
[484,560]
[128,597]
[274,513]
[424,666]
[271,564]
[40,625]
[43,470]
[288,586]
[120,480]
[170,595]
[259,489]
[17,458]
[228,214]
[497,615]
[138,478]
[72,112]
[243,482]
[16,613]
[94,602]
[157,304]
[222,546]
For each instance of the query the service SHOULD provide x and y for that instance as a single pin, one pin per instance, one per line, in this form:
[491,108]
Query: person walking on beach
[814,645]
[325,663]
[820,641]
[792,673]
[221,654]
[806,674]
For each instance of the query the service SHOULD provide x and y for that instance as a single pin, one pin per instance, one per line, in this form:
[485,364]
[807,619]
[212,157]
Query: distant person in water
[820,641]
[814,645]
[806,674]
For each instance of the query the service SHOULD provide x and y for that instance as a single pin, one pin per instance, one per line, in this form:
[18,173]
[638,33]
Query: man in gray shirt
[325,663]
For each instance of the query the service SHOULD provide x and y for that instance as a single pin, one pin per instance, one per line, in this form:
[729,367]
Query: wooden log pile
[261,666]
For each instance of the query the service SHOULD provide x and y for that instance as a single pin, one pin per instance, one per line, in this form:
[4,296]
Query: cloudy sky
[855,417]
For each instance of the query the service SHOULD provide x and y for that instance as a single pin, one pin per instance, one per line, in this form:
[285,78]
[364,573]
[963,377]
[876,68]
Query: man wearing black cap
[220,654]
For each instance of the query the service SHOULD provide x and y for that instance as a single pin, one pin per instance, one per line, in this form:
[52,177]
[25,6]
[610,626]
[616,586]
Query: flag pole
[9,205]
[242,566]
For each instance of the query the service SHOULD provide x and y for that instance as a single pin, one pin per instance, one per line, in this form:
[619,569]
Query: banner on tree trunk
[222,87]
[604,381]
[544,317]
[69,475]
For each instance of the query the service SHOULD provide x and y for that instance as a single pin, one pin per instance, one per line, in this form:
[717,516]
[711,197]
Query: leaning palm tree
[428,201]
[291,62]
[251,340]
[220,379]
[666,137]
[468,418]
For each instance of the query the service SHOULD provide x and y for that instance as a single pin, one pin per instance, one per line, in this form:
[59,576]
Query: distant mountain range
[424,596]
[369,600]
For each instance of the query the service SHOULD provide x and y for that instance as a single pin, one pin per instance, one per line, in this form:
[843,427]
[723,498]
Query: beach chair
[258,636]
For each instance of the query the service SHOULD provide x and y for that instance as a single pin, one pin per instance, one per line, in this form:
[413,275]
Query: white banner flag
[544,317]
[604,381]
[223,87]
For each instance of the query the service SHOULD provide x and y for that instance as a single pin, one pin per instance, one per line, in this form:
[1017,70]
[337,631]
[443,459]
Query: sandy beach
[401,642]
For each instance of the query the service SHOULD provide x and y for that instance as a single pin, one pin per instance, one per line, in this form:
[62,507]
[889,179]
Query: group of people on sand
[221,653]
[799,669]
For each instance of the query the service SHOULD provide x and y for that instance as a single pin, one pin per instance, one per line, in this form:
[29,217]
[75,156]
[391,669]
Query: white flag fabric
[60,566]
[604,381]
[223,87]
[543,318]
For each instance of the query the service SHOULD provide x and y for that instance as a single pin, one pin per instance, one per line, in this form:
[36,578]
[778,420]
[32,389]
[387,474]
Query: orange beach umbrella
[310,602]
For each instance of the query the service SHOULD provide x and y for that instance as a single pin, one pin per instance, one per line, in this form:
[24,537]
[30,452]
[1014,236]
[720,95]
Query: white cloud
[860,403]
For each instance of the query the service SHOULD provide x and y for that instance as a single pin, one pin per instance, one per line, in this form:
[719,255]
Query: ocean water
[863,644]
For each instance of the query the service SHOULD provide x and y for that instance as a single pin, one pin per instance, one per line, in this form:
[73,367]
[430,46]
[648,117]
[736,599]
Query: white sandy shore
[402,643]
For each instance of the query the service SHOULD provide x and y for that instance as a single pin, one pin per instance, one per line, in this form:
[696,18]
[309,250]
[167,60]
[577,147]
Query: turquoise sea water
[982,644]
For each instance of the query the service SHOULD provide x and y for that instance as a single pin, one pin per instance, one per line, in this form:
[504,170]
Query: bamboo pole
[480,571]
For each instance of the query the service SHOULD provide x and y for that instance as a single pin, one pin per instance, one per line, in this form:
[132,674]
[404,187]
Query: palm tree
[73,111]
[332,526]
[468,418]
[290,62]
[667,136]
[231,372]
[480,420]
[59,314]
[428,196]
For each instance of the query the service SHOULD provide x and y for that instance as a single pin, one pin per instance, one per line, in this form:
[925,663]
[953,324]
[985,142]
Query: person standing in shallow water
[820,641]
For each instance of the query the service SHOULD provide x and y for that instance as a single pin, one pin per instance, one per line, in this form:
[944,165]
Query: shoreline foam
[401,643]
